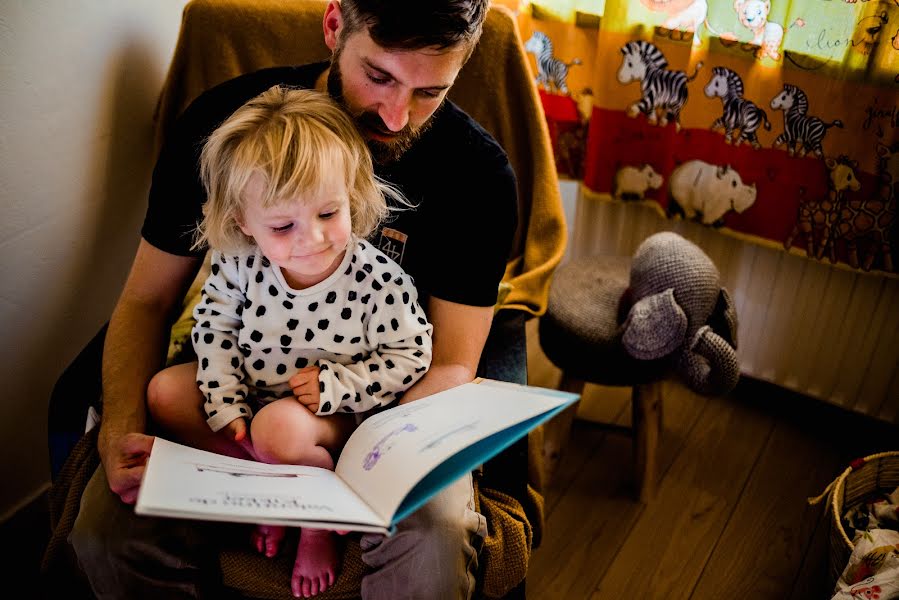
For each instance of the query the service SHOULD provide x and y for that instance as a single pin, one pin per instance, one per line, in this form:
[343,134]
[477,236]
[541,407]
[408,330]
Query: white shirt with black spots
[362,326]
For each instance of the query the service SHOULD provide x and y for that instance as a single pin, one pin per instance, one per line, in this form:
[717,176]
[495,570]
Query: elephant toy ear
[723,320]
[655,326]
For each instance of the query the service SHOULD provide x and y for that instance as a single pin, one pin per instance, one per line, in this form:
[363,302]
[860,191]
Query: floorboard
[813,580]
[669,545]
[589,523]
[770,525]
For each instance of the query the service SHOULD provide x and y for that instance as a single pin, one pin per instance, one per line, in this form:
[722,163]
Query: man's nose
[395,110]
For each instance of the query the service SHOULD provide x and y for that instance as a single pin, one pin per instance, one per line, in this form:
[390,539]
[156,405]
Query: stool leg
[557,430]
[646,403]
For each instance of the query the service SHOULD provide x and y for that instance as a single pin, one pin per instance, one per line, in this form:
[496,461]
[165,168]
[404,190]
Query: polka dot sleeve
[401,335]
[220,372]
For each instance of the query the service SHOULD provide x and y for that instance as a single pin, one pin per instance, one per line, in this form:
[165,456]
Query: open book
[394,462]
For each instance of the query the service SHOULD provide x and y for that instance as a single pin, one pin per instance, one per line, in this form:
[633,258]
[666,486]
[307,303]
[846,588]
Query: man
[392,64]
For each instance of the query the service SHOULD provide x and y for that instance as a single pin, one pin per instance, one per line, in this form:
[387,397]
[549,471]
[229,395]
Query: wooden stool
[580,335]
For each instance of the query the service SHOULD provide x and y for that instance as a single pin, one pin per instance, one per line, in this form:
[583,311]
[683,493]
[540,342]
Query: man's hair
[294,139]
[416,24]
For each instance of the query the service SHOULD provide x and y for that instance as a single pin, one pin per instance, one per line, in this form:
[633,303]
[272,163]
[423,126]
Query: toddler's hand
[236,430]
[305,387]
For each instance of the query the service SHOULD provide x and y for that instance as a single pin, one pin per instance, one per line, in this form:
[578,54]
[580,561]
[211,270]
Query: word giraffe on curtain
[774,120]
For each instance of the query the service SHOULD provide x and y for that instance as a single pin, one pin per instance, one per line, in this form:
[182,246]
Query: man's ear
[332,24]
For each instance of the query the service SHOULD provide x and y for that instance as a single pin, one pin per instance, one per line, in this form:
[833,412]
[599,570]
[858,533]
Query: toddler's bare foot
[315,569]
[267,539]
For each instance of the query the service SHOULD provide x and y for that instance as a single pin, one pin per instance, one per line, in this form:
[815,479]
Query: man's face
[392,94]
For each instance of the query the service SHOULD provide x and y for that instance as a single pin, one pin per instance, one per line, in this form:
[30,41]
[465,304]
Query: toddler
[301,322]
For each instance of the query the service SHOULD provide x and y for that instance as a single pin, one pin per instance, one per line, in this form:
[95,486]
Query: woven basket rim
[836,494]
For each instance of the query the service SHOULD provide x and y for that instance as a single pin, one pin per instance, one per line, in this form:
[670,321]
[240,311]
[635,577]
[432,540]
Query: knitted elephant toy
[678,311]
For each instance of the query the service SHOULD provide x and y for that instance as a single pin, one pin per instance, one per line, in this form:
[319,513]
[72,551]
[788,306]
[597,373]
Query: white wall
[570,191]
[78,85]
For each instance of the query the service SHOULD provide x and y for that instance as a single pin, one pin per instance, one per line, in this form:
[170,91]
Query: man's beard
[381,152]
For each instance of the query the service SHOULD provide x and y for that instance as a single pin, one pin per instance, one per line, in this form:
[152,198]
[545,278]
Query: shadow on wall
[113,205]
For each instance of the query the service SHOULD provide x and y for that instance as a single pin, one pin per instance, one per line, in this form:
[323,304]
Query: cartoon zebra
[739,113]
[800,130]
[552,73]
[662,90]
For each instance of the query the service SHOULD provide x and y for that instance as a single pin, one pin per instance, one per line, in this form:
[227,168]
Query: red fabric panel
[615,140]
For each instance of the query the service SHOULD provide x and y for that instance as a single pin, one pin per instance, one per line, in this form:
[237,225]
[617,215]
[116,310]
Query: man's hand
[305,387]
[124,459]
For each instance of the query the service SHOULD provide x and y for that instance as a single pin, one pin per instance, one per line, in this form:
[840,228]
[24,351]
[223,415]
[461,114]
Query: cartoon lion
[753,15]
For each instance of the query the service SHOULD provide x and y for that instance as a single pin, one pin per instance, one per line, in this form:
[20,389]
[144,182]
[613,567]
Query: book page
[393,450]
[188,483]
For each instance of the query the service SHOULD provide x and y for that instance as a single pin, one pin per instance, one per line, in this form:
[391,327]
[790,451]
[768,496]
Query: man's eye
[428,93]
[282,228]
[377,80]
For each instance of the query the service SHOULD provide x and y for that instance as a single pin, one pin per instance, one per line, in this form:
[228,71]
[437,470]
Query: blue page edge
[468,458]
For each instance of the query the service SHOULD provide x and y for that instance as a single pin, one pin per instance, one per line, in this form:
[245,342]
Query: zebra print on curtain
[774,121]
[829,333]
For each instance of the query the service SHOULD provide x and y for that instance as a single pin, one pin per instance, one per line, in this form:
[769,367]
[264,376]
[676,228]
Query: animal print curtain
[774,120]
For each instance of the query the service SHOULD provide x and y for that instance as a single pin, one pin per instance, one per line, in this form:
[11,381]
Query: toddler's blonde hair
[292,138]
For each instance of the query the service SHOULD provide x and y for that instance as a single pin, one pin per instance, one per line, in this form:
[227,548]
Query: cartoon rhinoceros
[706,192]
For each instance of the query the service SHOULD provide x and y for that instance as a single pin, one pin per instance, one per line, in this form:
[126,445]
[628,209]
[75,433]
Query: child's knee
[274,443]
[164,393]
[156,392]
[281,434]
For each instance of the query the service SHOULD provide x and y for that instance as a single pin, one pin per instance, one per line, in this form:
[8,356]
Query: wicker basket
[864,477]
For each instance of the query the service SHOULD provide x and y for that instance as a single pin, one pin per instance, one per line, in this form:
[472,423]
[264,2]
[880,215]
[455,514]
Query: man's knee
[107,533]
[450,515]
[433,554]
[128,556]
[91,532]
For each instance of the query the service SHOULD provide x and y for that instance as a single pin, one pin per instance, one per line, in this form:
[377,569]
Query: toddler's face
[305,236]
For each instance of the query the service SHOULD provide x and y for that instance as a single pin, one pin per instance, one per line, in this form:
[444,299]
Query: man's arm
[460,332]
[134,351]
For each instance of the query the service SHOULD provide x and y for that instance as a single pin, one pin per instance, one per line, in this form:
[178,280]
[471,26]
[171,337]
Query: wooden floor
[730,519]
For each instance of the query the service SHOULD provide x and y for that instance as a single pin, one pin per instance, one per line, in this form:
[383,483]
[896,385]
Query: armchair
[220,39]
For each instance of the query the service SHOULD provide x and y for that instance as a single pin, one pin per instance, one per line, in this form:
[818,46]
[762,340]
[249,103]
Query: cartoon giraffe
[871,218]
[815,217]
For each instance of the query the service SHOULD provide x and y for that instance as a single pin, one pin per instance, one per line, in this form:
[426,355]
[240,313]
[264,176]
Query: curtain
[773,120]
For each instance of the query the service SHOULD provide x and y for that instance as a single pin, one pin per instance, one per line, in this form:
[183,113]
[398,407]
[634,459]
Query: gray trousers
[433,554]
